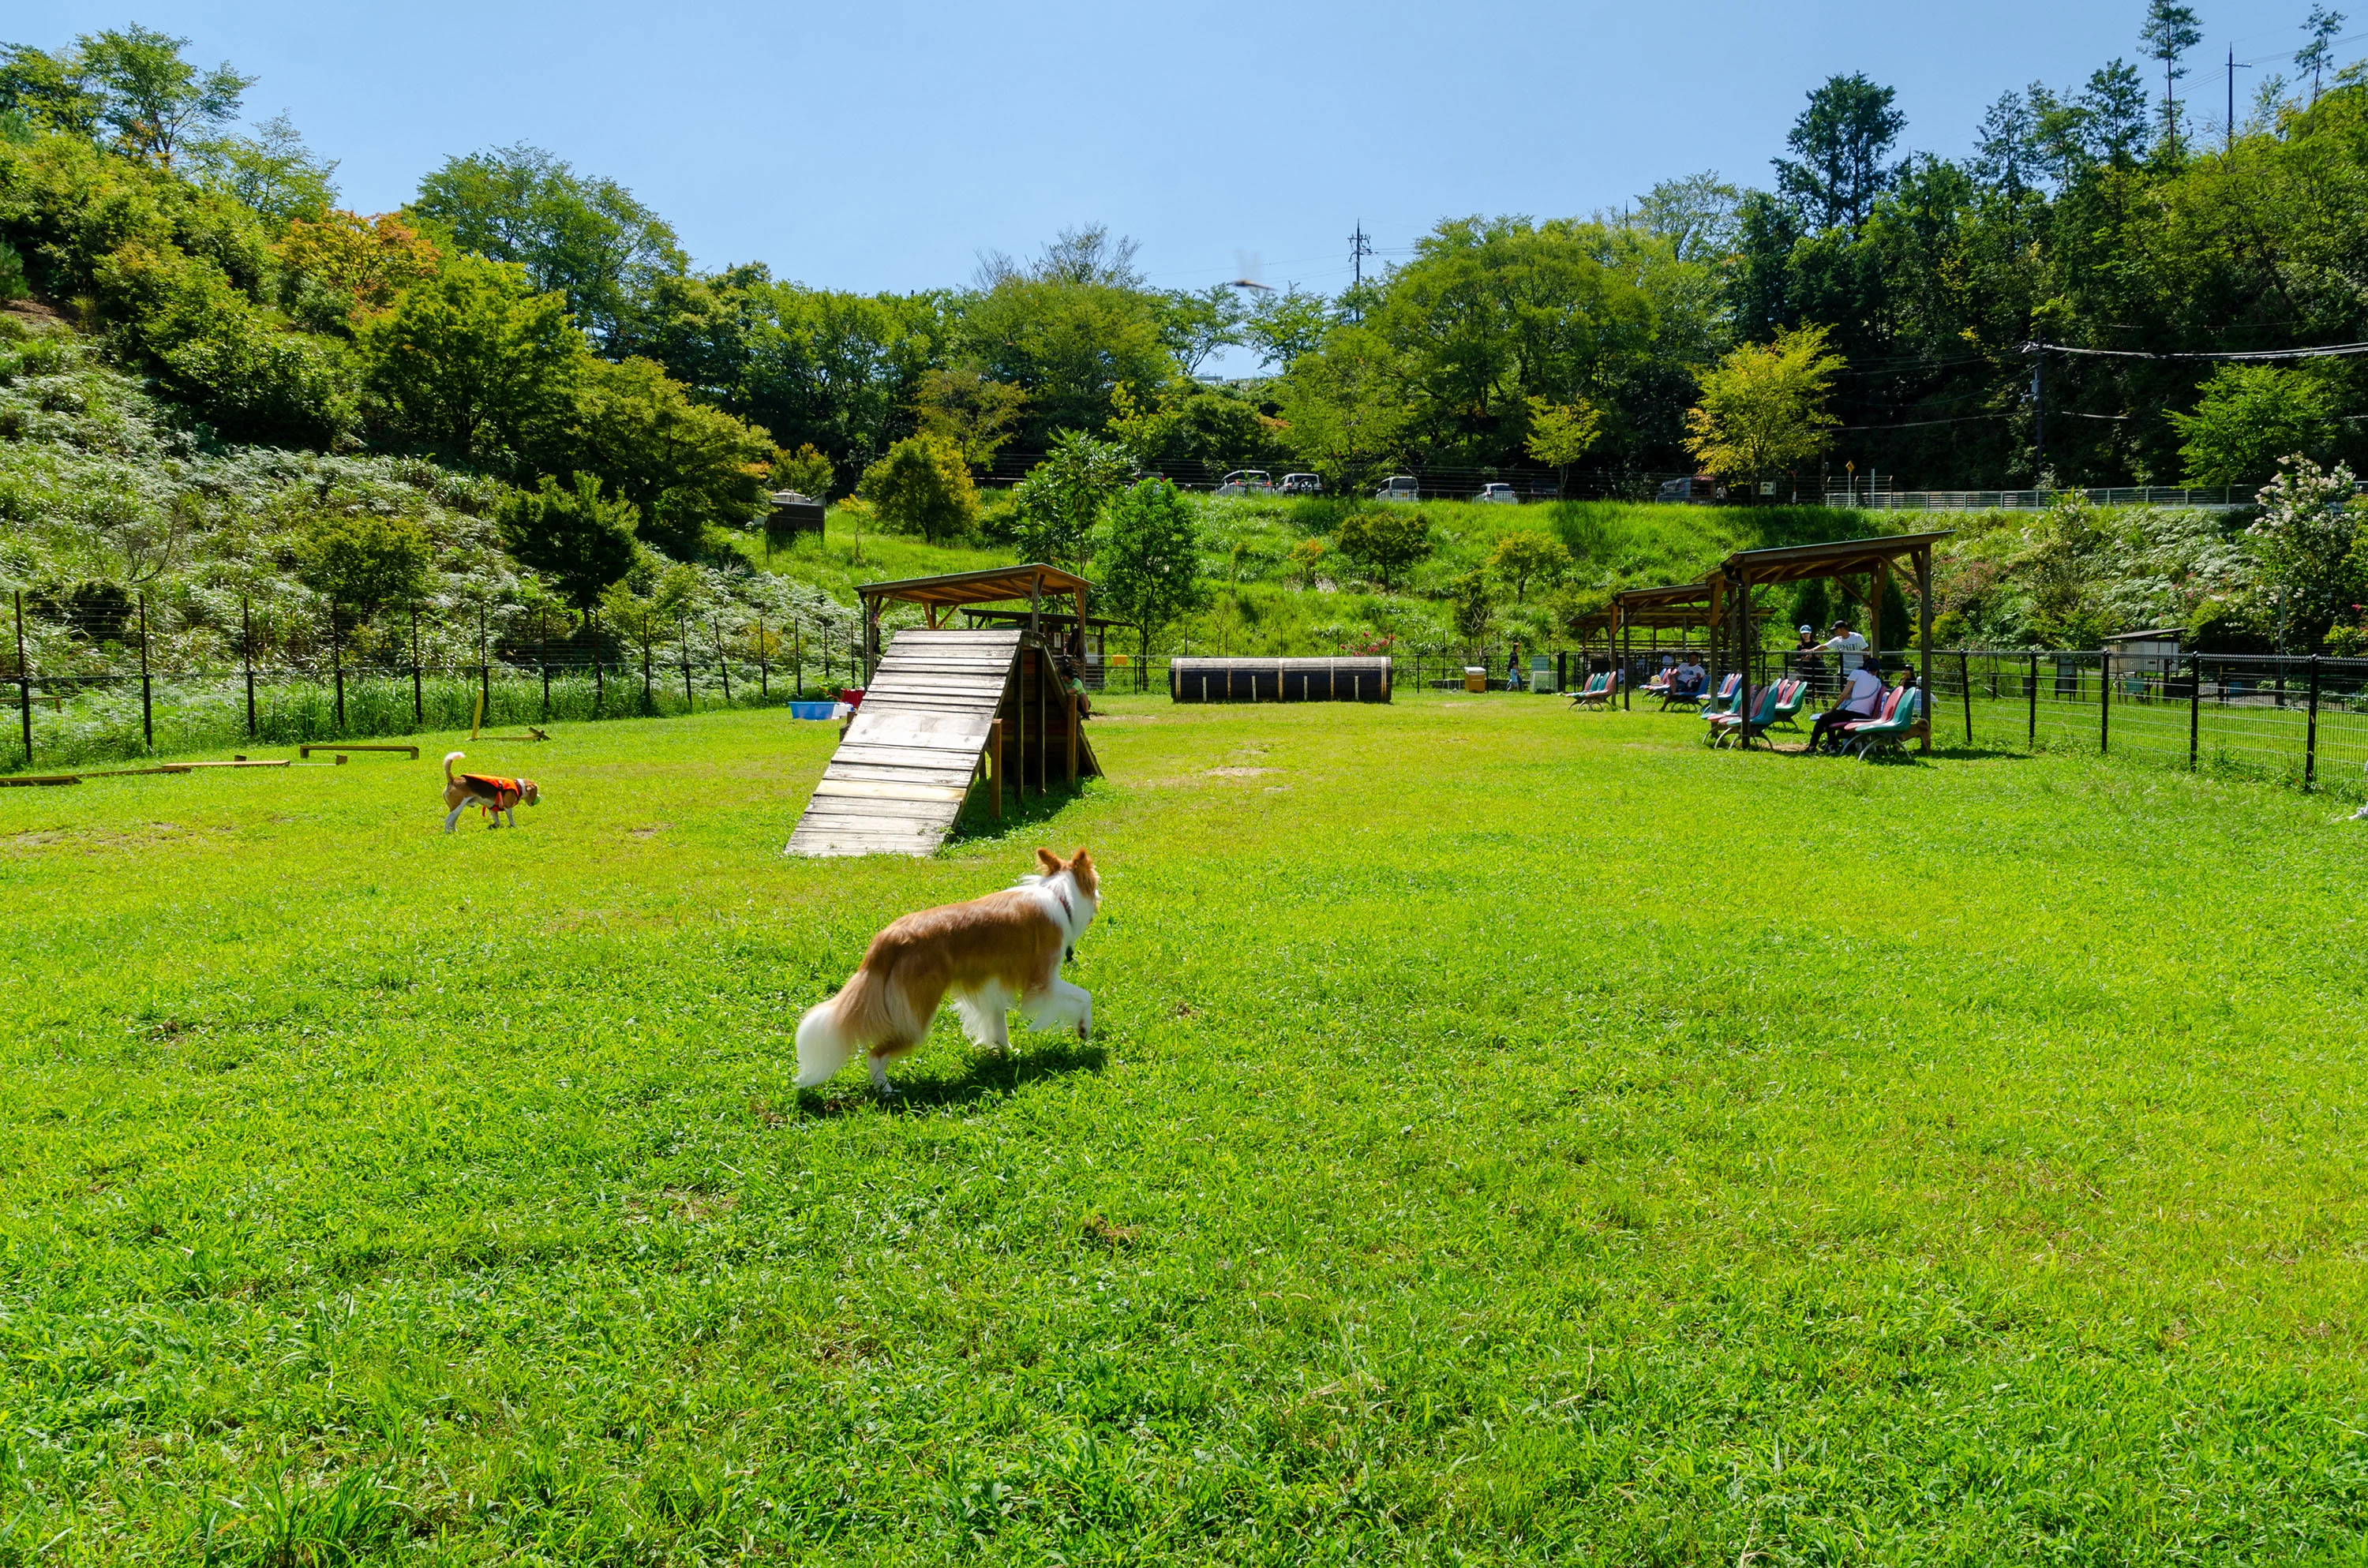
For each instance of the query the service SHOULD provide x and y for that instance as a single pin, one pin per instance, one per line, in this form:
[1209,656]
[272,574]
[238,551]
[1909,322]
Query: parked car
[1246,482]
[1699,490]
[1301,484]
[1504,494]
[1399,487]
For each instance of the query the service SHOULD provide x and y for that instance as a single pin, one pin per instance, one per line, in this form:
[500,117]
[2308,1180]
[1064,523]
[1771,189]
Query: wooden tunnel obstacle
[1356,679]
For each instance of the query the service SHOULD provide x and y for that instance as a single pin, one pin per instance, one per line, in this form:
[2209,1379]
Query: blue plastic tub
[812,709]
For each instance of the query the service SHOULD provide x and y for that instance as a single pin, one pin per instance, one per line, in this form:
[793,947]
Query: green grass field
[1511,1136]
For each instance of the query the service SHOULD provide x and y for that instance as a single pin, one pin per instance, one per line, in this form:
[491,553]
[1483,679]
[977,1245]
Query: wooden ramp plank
[905,763]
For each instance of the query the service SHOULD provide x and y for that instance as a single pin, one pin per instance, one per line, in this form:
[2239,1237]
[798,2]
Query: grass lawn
[1512,1135]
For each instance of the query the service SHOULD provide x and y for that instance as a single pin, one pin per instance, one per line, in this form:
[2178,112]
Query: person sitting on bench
[1687,681]
[1861,699]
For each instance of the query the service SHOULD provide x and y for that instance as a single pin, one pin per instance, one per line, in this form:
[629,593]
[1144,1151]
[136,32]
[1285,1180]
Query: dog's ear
[1049,861]
[1081,867]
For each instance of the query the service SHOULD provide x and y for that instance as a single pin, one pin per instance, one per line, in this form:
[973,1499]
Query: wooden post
[1924,644]
[25,680]
[994,770]
[716,625]
[484,665]
[1875,615]
[600,680]
[649,700]
[2033,742]
[337,664]
[2104,701]
[1966,679]
[542,652]
[147,693]
[1071,699]
[682,647]
[798,658]
[764,671]
[246,658]
[418,699]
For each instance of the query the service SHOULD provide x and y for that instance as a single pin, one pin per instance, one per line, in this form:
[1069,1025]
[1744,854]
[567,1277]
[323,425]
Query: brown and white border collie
[989,954]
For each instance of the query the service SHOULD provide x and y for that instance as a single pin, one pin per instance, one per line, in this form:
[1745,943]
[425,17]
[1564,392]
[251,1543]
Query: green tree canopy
[1763,410]
[1386,542]
[685,464]
[1059,505]
[923,486]
[1149,569]
[2248,418]
[154,101]
[1525,554]
[474,362]
[579,540]
[581,236]
[362,559]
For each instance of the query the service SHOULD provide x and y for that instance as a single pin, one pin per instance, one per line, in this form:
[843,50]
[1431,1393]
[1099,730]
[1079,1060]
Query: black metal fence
[121,676]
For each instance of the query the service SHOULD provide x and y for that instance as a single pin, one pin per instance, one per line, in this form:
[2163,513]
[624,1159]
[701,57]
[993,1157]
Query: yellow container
[1476,678]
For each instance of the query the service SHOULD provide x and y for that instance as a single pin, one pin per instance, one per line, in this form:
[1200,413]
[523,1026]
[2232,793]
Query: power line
[2330,351]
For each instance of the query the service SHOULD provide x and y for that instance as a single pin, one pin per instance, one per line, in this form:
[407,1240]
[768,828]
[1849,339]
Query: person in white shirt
[1861,698]
[1691,676]
[1848,644]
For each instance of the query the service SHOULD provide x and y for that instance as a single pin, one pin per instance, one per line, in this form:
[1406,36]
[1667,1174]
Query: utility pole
[1359,247]
[2038,414]
[2233,68]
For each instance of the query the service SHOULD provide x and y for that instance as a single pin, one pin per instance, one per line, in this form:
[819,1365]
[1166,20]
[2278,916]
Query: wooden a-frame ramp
[943,710]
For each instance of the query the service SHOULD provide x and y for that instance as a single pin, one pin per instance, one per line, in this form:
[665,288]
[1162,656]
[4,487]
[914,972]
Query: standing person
[1808,660]
[1848,647]
[1513,670]
[1861,698]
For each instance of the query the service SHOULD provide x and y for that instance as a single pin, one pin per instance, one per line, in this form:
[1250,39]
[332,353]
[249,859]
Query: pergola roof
[989,585]
[1798,562]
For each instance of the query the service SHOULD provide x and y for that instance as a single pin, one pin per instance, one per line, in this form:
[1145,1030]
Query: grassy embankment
[1512,1135]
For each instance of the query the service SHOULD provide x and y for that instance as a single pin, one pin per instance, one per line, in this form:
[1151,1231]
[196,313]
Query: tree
[685,464]
[345,264]
[271,172]
[474,362]
[2323,27]
[1763,409]
[1305,559]
[1195,325]
[1473,598]
[1839,142]
[1386,542]
[923,486]
[153,100]
[2169,32]
[2249,418]
[1562,433]
[362,559]
[571,534]
[41,90]
[579,236]
[1282,326]
[1060,502]
[806,470]
[2005,145]
[1694,214]
[1527,553]
[1150,560]
[969,410]
[2308,540]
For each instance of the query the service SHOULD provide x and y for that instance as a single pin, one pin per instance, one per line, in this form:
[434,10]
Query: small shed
[791,515]
[2155,652]
[1351,679]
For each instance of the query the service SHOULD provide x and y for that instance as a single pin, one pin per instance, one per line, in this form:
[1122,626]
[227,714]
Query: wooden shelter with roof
[947,708]
[1722,600]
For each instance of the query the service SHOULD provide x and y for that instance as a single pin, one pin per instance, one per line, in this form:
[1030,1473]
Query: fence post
[484,668]
[24,681]
[764,674]
[2194,704]
[2032,745]
[600,680]
[147,694]
[418,705]
[2104,701]
[542,638]
[1966,679]
[2310,732]
[798,660]
[648,702]
[715,627]
[338,665]
[246,658]
[682,646]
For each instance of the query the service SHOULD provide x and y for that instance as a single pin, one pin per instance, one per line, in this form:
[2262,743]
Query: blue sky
[882,144]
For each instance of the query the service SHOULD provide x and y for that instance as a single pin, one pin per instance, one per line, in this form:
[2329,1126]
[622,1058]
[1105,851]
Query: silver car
[1246,482]
[1503,495]
[1399,487]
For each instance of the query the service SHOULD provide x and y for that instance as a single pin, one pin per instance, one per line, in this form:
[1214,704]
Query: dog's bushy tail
[865,1013]
[450,759]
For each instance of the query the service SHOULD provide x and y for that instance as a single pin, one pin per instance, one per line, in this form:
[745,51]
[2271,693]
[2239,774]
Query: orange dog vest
[506,791]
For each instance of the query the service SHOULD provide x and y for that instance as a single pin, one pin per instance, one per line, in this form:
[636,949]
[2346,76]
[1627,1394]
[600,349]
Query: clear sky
[882,144]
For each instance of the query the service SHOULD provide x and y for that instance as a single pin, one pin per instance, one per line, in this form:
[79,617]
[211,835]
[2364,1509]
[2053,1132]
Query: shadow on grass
[986,1075]
[1025,814]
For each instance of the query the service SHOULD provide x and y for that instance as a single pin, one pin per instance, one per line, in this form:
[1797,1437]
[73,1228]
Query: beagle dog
[495,797]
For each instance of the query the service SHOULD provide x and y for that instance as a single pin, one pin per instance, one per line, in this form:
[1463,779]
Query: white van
[1399,487]
[1246,482]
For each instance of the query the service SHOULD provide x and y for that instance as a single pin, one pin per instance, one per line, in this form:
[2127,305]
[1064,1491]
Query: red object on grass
[852,695]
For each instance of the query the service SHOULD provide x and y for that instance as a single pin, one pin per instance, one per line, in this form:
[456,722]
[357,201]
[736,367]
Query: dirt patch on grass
[1241,772]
